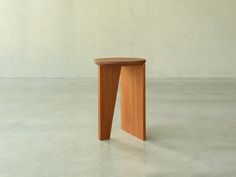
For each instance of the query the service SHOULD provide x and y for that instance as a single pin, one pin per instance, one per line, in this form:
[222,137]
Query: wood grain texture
[120,61]
[132,88]
[108,79]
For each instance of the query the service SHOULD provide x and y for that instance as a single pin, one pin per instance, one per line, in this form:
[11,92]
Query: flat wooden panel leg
[132,87]
[108,79]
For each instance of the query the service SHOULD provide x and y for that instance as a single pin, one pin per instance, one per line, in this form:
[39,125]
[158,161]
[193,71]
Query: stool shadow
[173,136]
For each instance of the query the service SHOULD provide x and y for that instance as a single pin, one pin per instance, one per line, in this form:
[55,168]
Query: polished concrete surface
[48,128]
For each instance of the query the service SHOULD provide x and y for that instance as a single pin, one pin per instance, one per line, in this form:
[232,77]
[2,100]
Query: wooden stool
[131,72]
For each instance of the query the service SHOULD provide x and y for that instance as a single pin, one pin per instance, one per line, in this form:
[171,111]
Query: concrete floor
[48,128]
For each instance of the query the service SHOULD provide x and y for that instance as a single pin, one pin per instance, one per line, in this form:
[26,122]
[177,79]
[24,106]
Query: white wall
[59,38]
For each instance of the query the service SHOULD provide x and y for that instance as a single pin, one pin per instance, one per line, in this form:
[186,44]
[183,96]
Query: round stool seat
[120,61]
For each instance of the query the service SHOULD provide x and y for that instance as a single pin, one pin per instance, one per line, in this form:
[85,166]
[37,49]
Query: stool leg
[132,88]
[108,79]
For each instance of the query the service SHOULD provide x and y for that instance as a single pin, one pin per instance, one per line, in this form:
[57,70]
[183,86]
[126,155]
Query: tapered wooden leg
[132,88]
[108,79]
